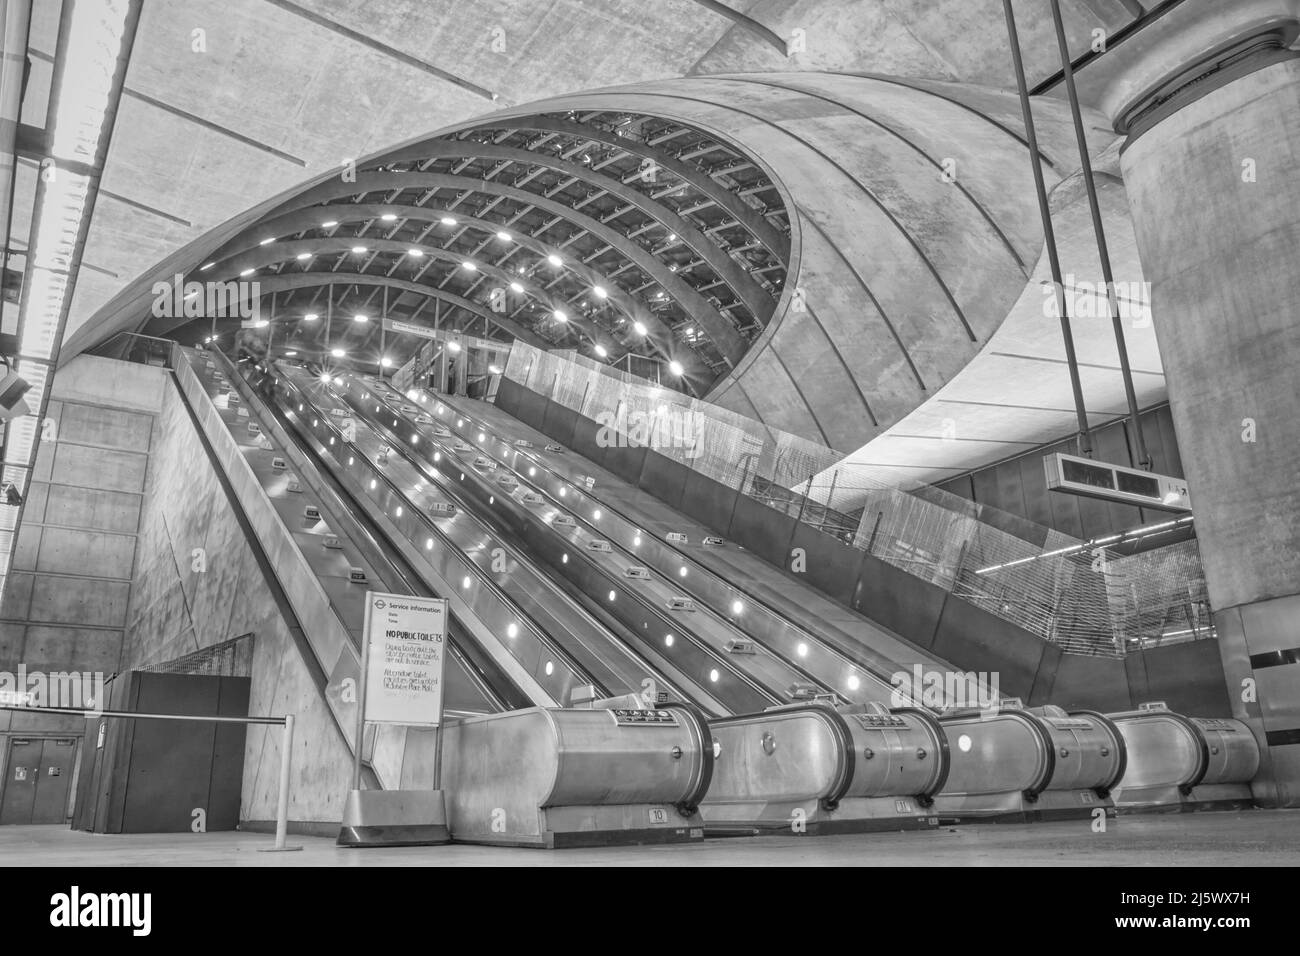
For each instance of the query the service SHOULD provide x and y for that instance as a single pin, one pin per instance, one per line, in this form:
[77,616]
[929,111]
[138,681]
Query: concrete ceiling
[230,102]
[231,105]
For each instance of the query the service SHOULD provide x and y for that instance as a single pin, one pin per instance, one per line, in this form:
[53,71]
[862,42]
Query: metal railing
[1085,597]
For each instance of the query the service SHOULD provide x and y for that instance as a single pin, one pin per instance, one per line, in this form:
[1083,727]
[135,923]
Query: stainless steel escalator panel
[846,632]
[711,673]
[331,568]
[451,477]
[596,521]
[471,555]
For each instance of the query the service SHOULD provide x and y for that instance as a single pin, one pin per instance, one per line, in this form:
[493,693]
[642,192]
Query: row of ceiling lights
[558,314]
[555,260]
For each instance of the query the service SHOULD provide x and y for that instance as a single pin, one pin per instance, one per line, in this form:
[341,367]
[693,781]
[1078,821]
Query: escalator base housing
[394,818]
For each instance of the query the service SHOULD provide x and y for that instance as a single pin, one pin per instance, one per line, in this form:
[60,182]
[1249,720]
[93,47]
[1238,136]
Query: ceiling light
[516,287]
[675,367]
[599,292]
[560,316]
[601,351]
[386,362]
[267,242]
[554,260]
[494,369]
[304,255]
[388,217]
[448,221]
[469,267]
[329,225]
[290,354]
[453,346]
[310,317]
[639,328]
[503,236]
[337,353]
[415,253]
[261,324]
[247,272]
[360,318]
[205,268]
[358,249]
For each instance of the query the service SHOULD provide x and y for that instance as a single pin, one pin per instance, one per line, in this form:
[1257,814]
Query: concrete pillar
[1215,192]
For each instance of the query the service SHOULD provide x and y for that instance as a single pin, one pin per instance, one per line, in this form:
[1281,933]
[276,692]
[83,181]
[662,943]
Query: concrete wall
[66,597]
[130,554]
[198,583]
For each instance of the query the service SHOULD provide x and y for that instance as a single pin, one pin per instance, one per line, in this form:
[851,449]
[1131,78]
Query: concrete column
[1215,191]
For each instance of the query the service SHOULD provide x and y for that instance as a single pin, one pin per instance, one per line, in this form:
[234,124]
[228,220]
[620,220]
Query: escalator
[430,504]
[786,663]
[319,555]
[856,659]
[457,554]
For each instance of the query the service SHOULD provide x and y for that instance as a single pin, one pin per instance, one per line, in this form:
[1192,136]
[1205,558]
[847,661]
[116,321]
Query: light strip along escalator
[643,603]
[557,641]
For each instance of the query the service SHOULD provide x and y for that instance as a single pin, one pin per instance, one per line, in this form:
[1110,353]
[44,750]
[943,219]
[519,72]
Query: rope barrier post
[282,805]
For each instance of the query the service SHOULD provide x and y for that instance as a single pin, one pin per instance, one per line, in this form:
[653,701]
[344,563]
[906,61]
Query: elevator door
[37,774]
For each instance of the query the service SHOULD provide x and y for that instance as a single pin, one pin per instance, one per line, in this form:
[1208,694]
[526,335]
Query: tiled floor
[1252,838]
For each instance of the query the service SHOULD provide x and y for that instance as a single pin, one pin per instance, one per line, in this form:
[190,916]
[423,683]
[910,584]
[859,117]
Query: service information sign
[407,640]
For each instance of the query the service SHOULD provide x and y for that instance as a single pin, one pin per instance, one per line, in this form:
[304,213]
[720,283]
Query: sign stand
[403,650]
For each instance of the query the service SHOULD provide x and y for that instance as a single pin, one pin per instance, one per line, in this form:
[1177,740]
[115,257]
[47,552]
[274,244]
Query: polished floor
[1251,838]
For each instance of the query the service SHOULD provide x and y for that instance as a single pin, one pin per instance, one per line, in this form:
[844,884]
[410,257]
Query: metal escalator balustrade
[782,603]
[523,649]
[336,543]
[457,542]
[746,682]
[450,488]
[854,673]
